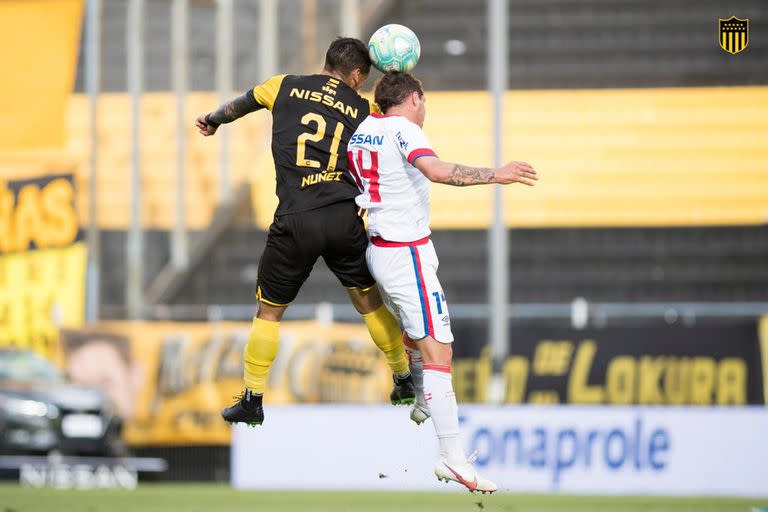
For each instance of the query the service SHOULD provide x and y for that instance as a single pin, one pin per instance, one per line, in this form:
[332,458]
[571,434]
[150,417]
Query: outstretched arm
[261,96]
[226,113]
[461,175]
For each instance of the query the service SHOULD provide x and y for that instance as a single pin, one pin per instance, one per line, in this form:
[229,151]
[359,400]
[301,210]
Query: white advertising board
[569,449]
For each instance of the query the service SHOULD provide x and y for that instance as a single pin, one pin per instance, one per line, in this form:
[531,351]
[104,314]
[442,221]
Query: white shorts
[407,278]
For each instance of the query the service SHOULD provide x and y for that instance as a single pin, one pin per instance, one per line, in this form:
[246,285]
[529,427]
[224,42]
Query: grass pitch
[221,498]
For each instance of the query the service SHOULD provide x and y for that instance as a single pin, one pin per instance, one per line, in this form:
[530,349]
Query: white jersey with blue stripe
[396,194]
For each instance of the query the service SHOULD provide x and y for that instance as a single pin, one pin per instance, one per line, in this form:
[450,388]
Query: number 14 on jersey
[369,173]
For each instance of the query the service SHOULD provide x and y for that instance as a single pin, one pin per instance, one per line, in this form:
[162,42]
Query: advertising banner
[649,365]
[524,448]
[42,262]
[169,381]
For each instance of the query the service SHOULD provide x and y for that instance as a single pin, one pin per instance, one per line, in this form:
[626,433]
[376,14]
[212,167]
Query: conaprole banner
[169,381]
[652,365]
[693,451]
[42,262]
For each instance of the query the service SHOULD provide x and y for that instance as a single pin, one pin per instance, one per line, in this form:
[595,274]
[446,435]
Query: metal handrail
[598,312]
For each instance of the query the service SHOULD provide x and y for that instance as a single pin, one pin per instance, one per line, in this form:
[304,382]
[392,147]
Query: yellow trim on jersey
[268,302]
[363,290]
[374,108]
[266,93]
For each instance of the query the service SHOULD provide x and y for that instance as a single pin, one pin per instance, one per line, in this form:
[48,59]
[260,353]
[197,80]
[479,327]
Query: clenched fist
[205,128]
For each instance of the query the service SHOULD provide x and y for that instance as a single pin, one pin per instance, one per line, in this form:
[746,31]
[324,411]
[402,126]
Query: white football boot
[419,410]
[464,473]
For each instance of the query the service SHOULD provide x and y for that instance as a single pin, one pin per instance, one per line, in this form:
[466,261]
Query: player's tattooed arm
[228,112]
[461,176]
[232,110]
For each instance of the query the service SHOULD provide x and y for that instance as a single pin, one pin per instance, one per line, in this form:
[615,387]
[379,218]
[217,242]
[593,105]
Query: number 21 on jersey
[317,136]
[370,172]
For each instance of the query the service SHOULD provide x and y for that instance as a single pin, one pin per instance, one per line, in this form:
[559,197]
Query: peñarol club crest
[733,34]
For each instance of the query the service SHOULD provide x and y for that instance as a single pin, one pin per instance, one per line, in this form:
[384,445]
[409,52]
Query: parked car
[40,412]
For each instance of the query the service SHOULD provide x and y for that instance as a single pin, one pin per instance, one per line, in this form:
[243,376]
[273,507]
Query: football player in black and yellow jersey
[313,118]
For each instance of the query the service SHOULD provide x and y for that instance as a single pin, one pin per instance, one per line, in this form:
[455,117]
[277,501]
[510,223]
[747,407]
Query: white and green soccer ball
[394,48]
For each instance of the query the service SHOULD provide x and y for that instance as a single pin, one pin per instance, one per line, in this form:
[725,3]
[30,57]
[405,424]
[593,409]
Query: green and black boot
[246,410]
[404,392]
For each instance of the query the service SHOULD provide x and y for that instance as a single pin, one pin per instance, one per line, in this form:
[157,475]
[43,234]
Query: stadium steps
[202,45]
[202,42]
[552,43]
[171,278]
[545,265]
[227,274]
[640,264]
[587,43]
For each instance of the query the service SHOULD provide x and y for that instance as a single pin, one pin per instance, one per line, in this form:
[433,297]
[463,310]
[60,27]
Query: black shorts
[296,240]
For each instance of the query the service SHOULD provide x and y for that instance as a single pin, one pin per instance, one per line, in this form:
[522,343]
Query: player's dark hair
[393,88]
[347,54]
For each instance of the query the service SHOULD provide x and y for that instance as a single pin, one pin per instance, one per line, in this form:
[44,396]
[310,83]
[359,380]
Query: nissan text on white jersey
[382,153]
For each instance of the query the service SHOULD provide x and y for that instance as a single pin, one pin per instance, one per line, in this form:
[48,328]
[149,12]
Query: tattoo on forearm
[230,110]
[462,175]
[233,110]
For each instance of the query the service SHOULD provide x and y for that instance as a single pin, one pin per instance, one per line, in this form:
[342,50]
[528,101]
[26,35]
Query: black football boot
[246,410]
[404,392]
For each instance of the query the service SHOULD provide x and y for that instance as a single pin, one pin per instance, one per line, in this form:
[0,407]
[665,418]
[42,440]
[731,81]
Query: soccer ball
[394,48]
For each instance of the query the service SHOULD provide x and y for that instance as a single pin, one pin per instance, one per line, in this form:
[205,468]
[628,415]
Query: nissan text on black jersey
[314,117]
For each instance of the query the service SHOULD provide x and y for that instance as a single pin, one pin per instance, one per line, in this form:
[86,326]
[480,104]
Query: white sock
[417,370]
[438,391]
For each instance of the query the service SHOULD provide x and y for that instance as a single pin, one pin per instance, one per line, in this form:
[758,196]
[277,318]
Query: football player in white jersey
[393,164]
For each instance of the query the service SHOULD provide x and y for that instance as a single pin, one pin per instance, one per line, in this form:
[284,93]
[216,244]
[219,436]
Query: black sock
[253,399]
[403,378]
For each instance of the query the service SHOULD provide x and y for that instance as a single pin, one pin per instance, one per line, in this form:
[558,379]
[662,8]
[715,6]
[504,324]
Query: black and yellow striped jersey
[313,118]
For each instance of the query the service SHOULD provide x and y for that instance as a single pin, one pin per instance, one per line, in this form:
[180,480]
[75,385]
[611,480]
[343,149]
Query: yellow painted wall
[634,157]
[613,157]
[629,157]
[39,41]
[158,151]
